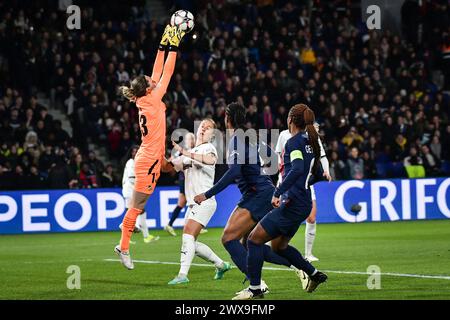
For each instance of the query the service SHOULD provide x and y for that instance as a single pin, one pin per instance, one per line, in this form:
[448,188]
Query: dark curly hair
[236,114]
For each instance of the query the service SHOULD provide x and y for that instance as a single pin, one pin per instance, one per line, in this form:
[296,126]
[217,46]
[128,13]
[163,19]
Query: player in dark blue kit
[301,159]
[257,190]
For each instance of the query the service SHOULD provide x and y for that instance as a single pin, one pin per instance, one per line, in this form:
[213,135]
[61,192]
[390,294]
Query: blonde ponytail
[128,93]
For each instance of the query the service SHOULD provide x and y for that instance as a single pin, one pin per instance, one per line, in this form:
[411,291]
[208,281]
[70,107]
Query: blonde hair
[137,89]
[128,93]
[211,121]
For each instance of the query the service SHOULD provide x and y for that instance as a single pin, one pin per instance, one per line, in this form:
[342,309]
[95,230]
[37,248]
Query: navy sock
[255,261]
[175,215]
[272,257]
[297,260]
[238,254]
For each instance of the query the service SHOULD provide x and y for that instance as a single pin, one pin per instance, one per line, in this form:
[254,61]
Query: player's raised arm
[159,60]
[174,35]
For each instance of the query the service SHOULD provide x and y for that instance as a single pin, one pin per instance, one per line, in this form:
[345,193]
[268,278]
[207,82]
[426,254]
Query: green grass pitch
[34,266]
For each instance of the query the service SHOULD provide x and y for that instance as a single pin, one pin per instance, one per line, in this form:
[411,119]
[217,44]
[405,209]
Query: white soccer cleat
[264,288]
[170,230]
[311,258]
[125,258]
[304,278]
[247,294]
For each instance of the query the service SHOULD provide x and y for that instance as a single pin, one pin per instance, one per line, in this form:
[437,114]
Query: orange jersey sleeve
[158,66]
[169,67]
[152,113]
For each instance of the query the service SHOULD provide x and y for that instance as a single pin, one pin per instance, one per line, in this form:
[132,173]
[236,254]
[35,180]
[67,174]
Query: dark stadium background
[382,98]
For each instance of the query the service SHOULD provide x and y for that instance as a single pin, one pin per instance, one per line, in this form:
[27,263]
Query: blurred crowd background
[382,106]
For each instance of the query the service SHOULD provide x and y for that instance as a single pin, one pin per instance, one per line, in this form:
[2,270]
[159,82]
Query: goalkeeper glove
[175,37]
[165,37]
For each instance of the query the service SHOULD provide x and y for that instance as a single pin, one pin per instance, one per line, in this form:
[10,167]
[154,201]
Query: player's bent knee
[255,238]
[229,236]
[279,245]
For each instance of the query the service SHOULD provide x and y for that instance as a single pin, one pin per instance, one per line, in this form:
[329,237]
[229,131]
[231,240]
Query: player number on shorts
[143,122]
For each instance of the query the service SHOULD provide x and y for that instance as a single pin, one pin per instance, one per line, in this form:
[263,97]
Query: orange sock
[128,224]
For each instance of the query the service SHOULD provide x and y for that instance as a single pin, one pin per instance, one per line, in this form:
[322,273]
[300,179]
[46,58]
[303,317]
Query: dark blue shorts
[285,220]
[259,203]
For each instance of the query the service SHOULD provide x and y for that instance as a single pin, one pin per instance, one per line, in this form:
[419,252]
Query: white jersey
[128,179]
[284,136]
[198,177]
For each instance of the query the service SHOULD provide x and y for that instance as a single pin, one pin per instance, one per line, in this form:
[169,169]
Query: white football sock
[143,223]
[205,252]
[310,235]
[187,254]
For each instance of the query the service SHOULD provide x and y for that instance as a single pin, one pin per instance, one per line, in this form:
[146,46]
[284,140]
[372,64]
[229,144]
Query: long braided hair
[303,118]
[236,113]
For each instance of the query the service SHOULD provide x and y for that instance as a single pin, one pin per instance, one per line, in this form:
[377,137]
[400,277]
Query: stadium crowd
[381,110]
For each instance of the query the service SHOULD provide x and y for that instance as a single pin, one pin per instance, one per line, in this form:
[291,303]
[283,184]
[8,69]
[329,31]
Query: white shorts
[313,194]
[202,213]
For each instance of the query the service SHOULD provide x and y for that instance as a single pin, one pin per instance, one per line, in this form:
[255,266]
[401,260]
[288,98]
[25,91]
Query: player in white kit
[310,230]
[199,168]
[127,190]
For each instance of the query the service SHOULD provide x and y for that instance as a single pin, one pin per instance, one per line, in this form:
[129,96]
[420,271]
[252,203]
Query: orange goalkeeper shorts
[147,172]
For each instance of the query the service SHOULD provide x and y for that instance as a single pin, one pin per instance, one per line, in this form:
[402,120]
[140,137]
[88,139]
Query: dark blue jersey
[298,161]
[244,168]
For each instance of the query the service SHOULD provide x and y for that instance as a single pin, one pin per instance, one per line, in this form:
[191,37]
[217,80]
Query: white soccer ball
[183,20]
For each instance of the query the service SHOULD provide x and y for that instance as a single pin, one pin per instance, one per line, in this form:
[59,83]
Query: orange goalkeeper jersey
[152,111]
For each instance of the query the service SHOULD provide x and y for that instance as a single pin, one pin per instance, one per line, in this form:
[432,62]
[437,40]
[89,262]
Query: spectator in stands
[35,180]
[355,165]
[87,178]
[19,178]
[352,138]
[370,170]
[431,163]
[95,164]
[61,176]
[337,167]
[414,164]
[108,178]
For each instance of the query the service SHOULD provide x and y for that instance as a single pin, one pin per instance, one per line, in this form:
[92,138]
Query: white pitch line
[393,274]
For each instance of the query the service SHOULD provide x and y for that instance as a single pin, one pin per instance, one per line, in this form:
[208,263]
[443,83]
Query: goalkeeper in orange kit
[147,93]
